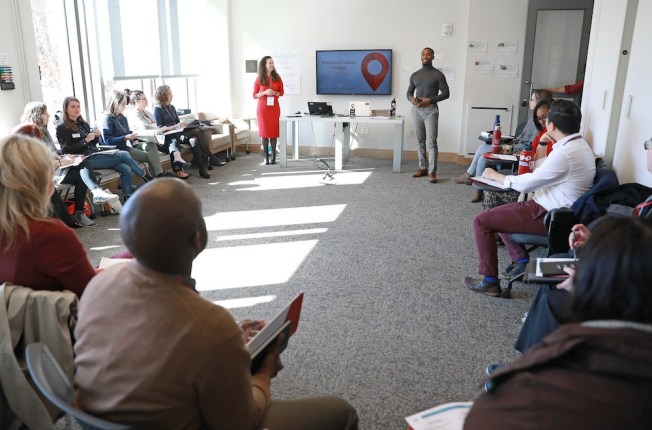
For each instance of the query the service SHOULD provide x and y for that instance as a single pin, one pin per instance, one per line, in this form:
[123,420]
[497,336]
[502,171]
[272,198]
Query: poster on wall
[483,66]
[288,66]
[507,70]
[505,47]
[477,47]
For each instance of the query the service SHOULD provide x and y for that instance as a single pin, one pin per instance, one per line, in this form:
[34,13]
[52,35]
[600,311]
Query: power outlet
[364,130]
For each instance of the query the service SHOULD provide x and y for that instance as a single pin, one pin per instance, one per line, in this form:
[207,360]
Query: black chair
[55,386]
[559,223]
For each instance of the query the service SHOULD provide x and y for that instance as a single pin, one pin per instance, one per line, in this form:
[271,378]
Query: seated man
[564,176]
[151,353]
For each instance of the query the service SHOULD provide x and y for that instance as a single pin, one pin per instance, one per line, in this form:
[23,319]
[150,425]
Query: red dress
[268,115]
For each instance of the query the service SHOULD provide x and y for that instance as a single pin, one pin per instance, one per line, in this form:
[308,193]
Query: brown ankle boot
[478,196]
[462,179]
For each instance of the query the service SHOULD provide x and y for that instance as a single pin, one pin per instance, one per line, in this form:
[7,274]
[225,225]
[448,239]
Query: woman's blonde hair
[162,95]
[117,99]
[33,112]
[25,177]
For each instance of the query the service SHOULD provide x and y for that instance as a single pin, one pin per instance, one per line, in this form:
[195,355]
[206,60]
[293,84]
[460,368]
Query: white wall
[17,42]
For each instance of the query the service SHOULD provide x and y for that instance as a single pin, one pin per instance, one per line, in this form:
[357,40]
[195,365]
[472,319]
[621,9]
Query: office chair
[55,386]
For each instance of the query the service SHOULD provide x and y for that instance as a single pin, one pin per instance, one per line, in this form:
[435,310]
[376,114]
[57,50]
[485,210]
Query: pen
[572,248]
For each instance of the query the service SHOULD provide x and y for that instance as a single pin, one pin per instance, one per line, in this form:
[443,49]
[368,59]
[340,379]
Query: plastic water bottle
[392,109]
[497,135]
[269,148]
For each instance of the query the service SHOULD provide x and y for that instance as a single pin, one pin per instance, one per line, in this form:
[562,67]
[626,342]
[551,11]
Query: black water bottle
[392,109]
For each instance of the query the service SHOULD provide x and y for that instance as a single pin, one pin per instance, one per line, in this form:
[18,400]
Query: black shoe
[147,177]
[480,286]
[178,165]
[513,271]
[209,166]
[204,174]
[216,162]
[166,175]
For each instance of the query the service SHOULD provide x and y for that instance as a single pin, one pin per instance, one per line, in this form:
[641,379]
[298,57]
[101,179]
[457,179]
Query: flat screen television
[354,72]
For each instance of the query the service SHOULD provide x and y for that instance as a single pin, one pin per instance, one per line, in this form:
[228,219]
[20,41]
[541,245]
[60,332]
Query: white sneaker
[101,196]
[83,221]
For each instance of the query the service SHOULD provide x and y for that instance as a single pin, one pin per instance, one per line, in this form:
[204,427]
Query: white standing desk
[342,135]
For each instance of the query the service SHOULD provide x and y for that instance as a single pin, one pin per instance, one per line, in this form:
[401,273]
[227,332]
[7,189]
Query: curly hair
[162,95]
[25,185]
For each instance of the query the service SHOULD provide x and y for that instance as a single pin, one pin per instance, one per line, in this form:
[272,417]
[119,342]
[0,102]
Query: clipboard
[286,321]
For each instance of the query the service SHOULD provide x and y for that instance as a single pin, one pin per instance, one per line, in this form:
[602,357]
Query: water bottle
[269,148]
[495,139]
[392,109]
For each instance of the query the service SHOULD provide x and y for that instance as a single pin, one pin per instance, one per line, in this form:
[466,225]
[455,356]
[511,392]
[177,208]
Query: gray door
[556,44]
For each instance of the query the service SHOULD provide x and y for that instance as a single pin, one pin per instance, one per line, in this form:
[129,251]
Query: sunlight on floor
[273,217]
[282,182]
[244,302]
[102,248]
[231,267]
[271,234]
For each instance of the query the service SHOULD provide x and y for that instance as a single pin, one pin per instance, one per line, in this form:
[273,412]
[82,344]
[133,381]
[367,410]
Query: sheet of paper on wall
[507,70]
[483,66]
[505,47]
[449,416]
[477,46]
[448,71]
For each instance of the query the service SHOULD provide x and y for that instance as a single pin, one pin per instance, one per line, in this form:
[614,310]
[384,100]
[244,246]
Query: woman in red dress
[267,89]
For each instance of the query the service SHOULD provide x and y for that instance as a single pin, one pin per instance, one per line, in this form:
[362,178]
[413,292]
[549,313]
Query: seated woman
[35,251]
[521,142]
[68,170]
[166,116]
[144,123]
[115,131]
[76,137]
[594,372]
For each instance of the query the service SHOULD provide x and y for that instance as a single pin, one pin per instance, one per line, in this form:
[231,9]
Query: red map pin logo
[374,81]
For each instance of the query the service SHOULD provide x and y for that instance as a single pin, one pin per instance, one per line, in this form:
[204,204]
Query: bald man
[151,353]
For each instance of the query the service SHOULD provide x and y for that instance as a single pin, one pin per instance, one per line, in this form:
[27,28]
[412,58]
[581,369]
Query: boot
[266,158]
[202,162]
[462,179]
[478,196]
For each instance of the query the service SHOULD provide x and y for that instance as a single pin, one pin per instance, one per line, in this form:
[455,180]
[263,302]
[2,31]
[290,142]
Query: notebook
[320,108]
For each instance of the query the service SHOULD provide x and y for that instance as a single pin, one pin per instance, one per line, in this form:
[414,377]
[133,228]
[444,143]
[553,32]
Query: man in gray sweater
[428,86]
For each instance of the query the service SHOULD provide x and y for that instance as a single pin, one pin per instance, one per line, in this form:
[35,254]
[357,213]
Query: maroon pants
[521,217]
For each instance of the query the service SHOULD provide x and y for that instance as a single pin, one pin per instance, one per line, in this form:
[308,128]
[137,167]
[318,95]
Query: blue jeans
[479,164]
[122,163]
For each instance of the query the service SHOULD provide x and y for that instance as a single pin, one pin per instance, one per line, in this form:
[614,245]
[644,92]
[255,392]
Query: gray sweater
[428,82]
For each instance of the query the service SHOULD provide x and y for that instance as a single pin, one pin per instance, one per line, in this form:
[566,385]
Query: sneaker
[513,271]
[101,196]
[83,221]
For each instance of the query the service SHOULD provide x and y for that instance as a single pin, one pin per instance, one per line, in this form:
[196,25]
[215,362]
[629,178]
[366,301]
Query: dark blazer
[72,141]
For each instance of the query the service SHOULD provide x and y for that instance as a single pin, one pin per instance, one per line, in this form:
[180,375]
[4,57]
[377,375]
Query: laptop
[360,108]
[320,108]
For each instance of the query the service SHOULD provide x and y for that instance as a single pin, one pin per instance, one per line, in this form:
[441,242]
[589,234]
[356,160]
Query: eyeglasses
[542,118]
[534,100]
[647,144]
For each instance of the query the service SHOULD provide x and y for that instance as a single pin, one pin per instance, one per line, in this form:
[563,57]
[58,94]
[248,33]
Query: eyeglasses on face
[542,118]
[647,144]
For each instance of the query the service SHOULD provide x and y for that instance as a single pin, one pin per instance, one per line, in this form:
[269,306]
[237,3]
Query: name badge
[76,135]
[270,100]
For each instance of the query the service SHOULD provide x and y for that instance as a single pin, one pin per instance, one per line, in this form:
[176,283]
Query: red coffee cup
[525,162]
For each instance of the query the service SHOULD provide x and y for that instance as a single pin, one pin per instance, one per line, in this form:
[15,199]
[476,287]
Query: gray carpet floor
[386,323]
